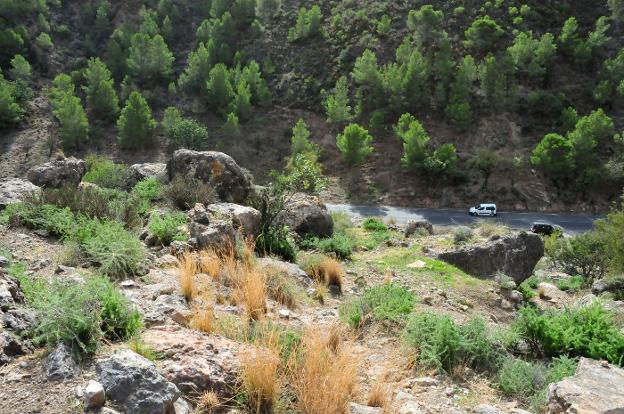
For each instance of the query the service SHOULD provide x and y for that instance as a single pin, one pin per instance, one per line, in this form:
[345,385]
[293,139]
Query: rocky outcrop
[208,232]
[290,269]
[134,384]
[596,387]
[247,220]
[10,293]
[306,215]
[196,362]
[139,172]
[515,256]
[60,364]
[229,180]
[603,285]
[58,173]
[413,225]
[13,190]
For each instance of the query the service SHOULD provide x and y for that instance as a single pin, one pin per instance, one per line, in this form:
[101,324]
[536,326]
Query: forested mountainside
[406,102]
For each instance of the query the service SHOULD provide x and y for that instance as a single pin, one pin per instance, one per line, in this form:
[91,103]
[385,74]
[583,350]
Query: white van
[483,210]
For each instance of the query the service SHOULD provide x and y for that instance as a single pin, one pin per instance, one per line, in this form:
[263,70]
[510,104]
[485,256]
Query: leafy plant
[166,227]
[386,302]
[106,174]
[374,224]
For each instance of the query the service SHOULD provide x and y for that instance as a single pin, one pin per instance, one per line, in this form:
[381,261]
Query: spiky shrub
[185,192]
[442,344]
[374,224]
[385,302]
[106,174]
[167,227]
[588,331]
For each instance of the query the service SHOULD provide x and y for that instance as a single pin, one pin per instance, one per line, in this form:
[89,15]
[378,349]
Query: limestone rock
[245,219]
[58,173]
[61,364]
[515,256]
[13,190]
[230,181]
[10,292]
[134,384]
[209,232]
[139,172]
[596,387]
[290,269]
[306,215]
[94,396]
[486,409]
[363,409]
[413,225]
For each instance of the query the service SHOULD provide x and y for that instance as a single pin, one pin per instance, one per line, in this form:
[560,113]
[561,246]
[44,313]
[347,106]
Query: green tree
[135,125]
[231,126]
[459,110]
[300,141]
[611,86]
[219,87]
[149,59]
[260,93]
[219,8]
[10,111]
[443,161]
[485,161]
[425,24]
[101,96]
[367,77]
[337,105]
[415,141]
[20,69]
[242,100]
[416,76]
[197,71]
[354,144]
[74,125]
[589,131]
[554,155]
[493,77]
[188,133]
[483,34]
[308,24]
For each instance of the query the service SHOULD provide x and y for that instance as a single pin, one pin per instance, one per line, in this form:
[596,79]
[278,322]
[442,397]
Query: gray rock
[58,173]
[94,396]
[61,364]
[4,262]
[306,215]
[247,220]
[413,225]
[602,286]
[182,406]
[12,346]
[515,256]
[208,232]
[10,292]
[486,409]
[19,320]
[139,172]
[13,190]
[230,181]
[596,387]
[134,384]
[290,269]
[355,408]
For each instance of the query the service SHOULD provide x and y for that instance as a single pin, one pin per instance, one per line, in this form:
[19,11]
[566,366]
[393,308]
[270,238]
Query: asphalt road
[571,223]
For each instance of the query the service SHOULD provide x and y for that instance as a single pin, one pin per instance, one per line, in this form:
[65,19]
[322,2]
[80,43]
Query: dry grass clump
[281,288]
[203,319]
[187,269]
[323,378]
[379,395]
[251,291]
[209,263]
[324,268]
[209,402]
[488,229]
[261,379]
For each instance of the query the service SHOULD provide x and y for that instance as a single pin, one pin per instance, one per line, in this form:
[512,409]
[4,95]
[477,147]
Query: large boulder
[291,270]
[194,361]
[58,173]
[413,225]
[207,232]
[247,220]
[139,172]
[13,190]
[230,181]
[595,388]
[306,215]
[515,256]
[134,384]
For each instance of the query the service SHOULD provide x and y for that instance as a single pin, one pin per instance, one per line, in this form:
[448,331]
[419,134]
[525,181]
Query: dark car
[540,227]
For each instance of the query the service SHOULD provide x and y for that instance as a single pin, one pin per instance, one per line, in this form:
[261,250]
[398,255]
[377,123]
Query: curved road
[571,223]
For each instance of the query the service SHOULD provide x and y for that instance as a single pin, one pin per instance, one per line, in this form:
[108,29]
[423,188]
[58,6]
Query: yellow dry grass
[329,271]
[323,379]
[203,319]
[209,263]
[209,402]
[261,379]
[187,269]
[251,291]
[379,395]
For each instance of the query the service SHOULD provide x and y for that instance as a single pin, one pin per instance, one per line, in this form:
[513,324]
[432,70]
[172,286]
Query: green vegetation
[355,144]
[308,24]
[106,174]
[166,227]
[387,302]
[135,123]
[183,132]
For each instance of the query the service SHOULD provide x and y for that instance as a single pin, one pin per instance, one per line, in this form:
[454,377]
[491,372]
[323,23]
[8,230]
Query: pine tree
[415,141]
[220,92]
[300,141]
[149,58]
[368,79]
[135,125]
[74,126]
[267,9]
[231,126]
[197,70]
[10,110]
[242,101]
[337,105]
[101,96]
[354,144]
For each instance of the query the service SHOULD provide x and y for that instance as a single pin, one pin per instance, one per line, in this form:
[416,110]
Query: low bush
[106,174]
[583,255]
[572,284]
[442,344]
[462,235]
[527,288]
[79,314]
[185,192]
[587,331]
[388,301]
[339,244]
[374,224]
[167,227]
[147,192]
[57,221]
[275,240]
[324,269]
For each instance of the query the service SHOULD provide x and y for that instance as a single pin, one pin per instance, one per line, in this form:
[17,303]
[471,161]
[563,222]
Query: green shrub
[308,24]
[148,191]
[374,224]
[527,288]
[275,240]
[354,144]
[135,125]
[582,255]
[558,369]
[80,314]
[56,221]
[185,192]
[572,284]
[106,174]
[167,227]
[443,345]
[462,235]
[184,132]
[587,331]
[521,379]
[340,244]
[342,222]
[352,313]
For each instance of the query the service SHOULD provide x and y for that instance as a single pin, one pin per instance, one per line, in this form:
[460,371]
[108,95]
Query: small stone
[506,305]
[486,409]
[64,269]
[128,284]
[427,300]
[284,314]
[418,264]
[355,408]
[94,396]
[450,391]
[42,233]
[4,262]
[181,316]
[181,406]
[425,382]
[60,364]
[515,297]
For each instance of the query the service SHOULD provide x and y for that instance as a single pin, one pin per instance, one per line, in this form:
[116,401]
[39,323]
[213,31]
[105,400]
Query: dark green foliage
[587,331]
[485,161]
[583,255]
[425,22]
[10,110]
[267,9]
[339,244]
[554,155]
[611,232]
[184,132]
[337,105]
[442,344]
[533,56]
[101,96]
[386,302]
[276,240]
[354,144]
[106,174]
[483,34]
[135,125]
[149,59]
[67,108]
[146,192]
[572,284]
[374,224]
[166,227]
[220,91]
